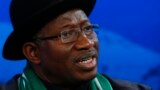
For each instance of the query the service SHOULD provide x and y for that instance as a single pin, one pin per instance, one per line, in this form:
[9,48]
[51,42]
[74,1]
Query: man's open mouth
[87,61]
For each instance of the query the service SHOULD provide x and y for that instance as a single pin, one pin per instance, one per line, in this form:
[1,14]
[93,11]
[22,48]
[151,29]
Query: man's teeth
[86,60]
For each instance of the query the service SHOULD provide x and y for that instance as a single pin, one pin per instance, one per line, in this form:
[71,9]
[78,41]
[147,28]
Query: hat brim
[12,49]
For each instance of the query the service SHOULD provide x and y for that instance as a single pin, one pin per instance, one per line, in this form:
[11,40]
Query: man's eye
[88,30]
[67,34]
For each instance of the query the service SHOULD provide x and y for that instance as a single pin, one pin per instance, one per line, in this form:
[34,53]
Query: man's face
[71,62]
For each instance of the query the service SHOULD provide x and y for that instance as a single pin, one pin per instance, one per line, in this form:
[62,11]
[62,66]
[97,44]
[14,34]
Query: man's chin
[89,76]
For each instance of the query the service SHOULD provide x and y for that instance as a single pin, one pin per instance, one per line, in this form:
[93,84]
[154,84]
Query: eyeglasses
[72,35]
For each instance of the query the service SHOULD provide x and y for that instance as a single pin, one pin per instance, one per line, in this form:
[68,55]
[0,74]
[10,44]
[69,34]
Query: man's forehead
[73,15]
[70,18]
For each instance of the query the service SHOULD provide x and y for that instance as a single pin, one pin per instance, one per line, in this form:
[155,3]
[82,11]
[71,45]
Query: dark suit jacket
[116,84]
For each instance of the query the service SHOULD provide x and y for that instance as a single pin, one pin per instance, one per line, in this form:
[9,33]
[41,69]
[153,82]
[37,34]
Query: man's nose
[83,42]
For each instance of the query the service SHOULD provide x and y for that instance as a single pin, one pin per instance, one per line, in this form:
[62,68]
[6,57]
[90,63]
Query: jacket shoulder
[11,84]
[126,85]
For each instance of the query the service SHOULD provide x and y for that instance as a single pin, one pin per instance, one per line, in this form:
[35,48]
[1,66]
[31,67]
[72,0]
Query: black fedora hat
[29,16]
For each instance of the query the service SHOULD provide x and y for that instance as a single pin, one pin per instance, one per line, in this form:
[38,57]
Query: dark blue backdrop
[129,40]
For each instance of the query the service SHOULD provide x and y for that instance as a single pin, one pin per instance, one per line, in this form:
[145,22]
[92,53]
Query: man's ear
[30,50]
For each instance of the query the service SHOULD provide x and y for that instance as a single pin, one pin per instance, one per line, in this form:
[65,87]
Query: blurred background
[129,40]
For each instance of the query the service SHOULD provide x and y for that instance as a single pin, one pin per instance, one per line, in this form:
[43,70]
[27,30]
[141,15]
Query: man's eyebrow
[83,22]
[86,21]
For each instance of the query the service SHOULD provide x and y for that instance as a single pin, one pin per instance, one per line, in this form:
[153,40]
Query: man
[60,45]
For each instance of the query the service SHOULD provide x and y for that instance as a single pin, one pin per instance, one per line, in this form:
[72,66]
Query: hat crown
[22,11]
